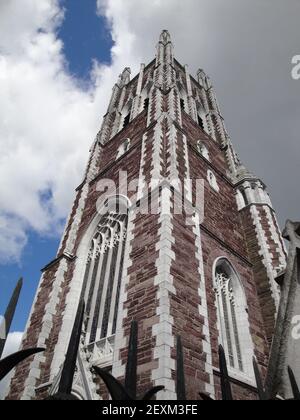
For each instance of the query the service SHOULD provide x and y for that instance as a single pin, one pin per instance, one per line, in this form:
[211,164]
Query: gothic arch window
[233,321]
[211,177]
[103,274]
[203,150]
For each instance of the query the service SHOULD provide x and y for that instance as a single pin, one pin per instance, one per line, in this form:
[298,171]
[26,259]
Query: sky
[58,63]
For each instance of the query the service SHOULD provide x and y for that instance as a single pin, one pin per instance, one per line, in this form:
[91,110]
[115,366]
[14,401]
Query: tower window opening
[213,181]
[182,104]
[126,120]
[102,280]
[200,122]
[146,104]
[245,197]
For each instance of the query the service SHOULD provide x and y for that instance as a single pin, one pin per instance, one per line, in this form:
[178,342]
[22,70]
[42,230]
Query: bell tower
[169,229]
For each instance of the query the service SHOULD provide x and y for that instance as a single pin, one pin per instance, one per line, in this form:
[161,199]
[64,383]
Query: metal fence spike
[131,368]
[205,397]
[10,362]
[259,382]
[180,385]
[9,314]
[67,376]
[294,384]
[225,380]
[115,388]
[150,394]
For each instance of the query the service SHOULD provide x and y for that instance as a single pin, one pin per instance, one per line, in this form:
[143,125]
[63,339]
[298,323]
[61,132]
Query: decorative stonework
[203,309]
[211,177]
[120,339]
[166,282]
[265,254]
[48,319]
[163,331]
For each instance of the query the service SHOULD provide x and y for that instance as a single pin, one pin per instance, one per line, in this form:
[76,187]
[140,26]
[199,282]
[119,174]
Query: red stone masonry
[163,143]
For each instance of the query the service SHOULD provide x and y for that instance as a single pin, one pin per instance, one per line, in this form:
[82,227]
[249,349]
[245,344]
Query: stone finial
[203,79]
[124,77]
[292,232]
[165,37]
[243,173]
[165,49]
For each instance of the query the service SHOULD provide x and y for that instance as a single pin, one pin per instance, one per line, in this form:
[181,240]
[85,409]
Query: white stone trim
[25,335]
[163,331]
[191,100]
[203,308]
[243,324]
[171,103]
[73,297]
[120,340]
[172,159]
[188,185]
[276,238]
[156,156]
[142,180]
[47,325]
[69,249]
[265,253]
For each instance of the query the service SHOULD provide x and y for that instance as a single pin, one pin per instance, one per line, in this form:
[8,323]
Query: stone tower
[168,228]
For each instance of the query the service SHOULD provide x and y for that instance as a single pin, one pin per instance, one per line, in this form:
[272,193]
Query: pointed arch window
[234,328]
[211,177]
[103,275]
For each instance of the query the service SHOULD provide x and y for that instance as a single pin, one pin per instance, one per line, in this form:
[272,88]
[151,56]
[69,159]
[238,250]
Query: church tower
[169,229]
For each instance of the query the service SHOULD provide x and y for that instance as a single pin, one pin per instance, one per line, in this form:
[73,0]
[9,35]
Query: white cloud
[48,120]
[47,123]
[12,345]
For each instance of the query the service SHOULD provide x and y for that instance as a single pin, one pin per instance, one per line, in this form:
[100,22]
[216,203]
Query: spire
[165,37]
[203,79]
[124,77]
[165,49]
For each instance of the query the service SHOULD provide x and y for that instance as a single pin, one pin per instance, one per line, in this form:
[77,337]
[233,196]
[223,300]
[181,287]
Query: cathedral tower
[168,228]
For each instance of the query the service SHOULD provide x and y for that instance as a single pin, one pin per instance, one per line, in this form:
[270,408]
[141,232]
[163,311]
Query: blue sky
[86,37]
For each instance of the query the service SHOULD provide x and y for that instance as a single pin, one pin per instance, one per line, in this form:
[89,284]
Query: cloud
[47,124]
[246,47]
[12,345]
[48,119]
